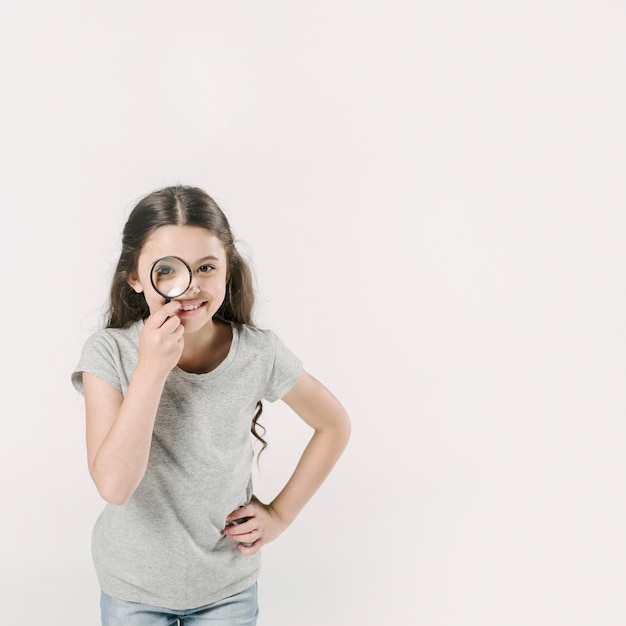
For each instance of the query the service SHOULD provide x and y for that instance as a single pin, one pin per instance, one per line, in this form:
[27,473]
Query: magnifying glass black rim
[170,256]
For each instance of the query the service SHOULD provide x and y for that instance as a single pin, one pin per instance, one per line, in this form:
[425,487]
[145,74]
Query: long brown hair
[180,206]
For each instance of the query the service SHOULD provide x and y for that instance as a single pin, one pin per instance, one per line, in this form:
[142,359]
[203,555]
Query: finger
[172,325]
[248,539]
[249,550]
[239,514]
[166,312]
[249,510]
[241,532]
[237,518]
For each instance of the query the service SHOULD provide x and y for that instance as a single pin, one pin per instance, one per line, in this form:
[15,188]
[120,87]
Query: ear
[133,281]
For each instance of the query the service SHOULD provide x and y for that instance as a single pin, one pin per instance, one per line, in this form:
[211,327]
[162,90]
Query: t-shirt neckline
[234,344]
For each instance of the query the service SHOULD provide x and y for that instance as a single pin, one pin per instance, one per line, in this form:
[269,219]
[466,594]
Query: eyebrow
[210,257]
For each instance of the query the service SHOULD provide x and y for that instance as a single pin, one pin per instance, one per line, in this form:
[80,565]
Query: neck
[206,348]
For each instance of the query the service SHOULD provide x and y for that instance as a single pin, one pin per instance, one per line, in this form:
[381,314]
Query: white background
[432,197]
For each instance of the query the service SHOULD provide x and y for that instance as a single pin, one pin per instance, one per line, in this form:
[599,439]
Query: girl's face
[205,255]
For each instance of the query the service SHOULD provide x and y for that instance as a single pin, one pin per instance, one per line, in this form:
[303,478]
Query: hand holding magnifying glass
[171,277]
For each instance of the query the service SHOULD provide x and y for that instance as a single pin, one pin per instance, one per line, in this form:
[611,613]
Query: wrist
[281,515]
[146,371]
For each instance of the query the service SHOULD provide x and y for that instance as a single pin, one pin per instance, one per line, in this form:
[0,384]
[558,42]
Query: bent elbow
[111,491]
[346,428]
[341,429]
[114,498]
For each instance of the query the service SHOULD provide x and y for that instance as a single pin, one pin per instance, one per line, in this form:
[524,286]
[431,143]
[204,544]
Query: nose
[193,286]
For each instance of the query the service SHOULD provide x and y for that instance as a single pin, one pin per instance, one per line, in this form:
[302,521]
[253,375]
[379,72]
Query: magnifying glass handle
[168,300]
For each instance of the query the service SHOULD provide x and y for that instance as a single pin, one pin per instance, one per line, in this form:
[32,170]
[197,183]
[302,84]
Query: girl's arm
[317,406]
[119,428]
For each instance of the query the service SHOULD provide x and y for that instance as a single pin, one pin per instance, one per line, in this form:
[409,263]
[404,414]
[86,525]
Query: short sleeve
[285,372]
[100,358]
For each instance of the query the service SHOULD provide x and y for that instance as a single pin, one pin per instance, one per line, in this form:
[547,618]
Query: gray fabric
[164,546]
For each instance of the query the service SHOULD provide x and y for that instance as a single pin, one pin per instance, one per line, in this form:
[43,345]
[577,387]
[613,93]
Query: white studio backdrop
[432,198]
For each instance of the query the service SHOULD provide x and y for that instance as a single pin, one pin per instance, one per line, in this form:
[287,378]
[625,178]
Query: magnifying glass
[170,276]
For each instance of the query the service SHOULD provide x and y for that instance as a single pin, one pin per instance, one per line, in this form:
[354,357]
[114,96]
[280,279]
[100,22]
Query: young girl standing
[173,386]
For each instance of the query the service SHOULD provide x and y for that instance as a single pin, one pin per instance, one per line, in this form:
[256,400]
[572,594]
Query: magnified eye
[164,270]
[170,276]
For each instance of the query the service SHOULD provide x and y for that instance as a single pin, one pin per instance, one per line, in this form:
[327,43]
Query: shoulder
[266,355]
[115,337]
[108,353]
[255,335]
[259,340]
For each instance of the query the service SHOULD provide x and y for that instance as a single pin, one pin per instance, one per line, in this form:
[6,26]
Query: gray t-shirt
[164,546]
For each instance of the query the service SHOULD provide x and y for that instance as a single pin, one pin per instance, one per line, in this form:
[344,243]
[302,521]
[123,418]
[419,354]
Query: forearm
[316,462]
[122,458]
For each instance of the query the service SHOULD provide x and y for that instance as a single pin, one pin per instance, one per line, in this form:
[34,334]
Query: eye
[205,269]
[164,270]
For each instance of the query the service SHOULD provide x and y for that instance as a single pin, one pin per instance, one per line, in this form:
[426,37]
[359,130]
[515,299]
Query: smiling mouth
[191,307]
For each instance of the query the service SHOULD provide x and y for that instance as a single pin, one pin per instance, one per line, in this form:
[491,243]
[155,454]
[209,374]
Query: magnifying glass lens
[170,277]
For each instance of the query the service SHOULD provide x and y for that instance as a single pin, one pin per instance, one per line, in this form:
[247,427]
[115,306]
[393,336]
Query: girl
[173,387]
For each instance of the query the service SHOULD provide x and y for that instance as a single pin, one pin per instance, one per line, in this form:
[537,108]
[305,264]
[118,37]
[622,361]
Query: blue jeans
[241,609]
